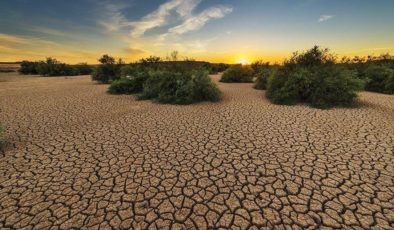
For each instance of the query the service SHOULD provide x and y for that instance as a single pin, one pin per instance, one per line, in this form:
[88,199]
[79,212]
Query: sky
[227,31]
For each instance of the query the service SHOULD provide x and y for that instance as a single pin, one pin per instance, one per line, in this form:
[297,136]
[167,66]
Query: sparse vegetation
[52,67]
[312,77]
[237,74]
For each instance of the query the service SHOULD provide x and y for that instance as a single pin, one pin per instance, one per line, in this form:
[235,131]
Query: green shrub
[258,66]
[128,85]
[132,80]
[261,78]
[311,58]
[379,78]
[334,86]
[122,86]
[180,88]
[237,73]
[107,71]
[312,77]
[28,67]
[289,86]
[389,85]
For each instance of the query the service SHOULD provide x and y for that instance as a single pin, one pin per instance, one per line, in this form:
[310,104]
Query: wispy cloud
[159,17]
[8,39]
[324,18]
[198,21]
[114,20]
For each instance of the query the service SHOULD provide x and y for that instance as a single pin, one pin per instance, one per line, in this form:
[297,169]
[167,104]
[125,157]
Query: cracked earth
[84,159]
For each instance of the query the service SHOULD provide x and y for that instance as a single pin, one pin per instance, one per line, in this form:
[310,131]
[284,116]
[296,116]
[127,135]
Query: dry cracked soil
[83,159]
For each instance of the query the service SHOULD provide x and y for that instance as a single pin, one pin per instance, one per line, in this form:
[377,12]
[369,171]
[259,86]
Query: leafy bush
[389,85]
[28,67]
[334,86]
[312,77]
[180,88]
[123,86]
[262,77]
[379,78]
[237,73]
[108,70]
[131,82]
[289,86]
[259,65]
[311,58]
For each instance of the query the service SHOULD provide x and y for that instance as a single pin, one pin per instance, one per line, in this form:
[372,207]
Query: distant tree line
[53,67]
[111,69]
[377,72]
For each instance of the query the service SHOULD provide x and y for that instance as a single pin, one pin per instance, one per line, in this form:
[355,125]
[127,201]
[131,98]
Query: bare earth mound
[83,159]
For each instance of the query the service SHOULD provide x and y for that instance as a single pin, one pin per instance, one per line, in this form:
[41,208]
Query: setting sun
[243,61]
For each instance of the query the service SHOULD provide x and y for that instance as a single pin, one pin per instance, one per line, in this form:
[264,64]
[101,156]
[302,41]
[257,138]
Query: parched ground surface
[85,159]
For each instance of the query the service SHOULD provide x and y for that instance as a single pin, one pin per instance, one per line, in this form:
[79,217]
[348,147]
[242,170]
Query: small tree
[108,70]
[106,59]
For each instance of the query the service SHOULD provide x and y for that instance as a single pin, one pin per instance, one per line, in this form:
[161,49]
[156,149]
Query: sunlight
[243,61]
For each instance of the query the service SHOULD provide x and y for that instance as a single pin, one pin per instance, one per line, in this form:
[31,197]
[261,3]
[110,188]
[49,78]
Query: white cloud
[198,21]
[115,19]
[186,8]
[155,19]
[324,18]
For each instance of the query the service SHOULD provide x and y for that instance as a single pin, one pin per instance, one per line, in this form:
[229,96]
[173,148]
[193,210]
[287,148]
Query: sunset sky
[211,30]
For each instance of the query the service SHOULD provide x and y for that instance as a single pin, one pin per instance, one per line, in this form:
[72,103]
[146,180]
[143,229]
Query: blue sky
[212,30]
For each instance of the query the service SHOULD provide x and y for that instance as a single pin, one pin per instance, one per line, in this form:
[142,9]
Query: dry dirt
[85,159]
[8,67]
